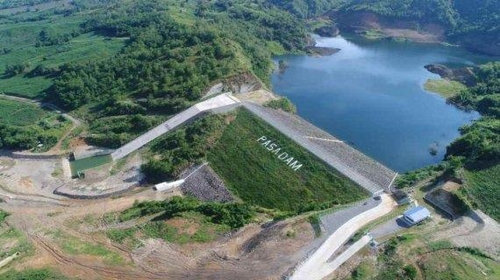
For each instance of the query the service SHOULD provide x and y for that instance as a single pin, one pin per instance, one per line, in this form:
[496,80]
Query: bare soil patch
[260,96]
[477,230]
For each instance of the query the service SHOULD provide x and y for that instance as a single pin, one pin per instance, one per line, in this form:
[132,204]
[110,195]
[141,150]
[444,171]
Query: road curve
[317,266]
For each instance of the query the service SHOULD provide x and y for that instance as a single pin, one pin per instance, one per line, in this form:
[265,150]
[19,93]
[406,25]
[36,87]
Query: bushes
[182,148]
[234,215]
[283,103]
[410,271]
[3,215]
[32,274]
[481,140]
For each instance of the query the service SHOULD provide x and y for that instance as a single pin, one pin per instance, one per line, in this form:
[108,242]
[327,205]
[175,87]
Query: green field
[482,187]
[18,113]
[12,241]
[75,246]
[445,88]
[258,177]
[449,264]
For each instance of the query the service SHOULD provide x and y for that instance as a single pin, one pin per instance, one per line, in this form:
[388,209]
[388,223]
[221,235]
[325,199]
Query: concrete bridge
[218,104]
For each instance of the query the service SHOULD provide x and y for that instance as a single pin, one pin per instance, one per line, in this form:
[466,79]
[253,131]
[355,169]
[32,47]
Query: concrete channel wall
[220,103]
[329,157]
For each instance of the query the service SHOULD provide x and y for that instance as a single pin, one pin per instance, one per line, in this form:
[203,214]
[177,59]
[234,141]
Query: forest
[481,140]
[173,51]
[470,23]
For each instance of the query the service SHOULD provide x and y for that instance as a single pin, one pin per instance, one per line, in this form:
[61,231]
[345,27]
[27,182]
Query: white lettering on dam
[276,150]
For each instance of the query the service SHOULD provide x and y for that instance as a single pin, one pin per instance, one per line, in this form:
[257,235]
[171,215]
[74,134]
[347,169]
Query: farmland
[22,44]
[259,177]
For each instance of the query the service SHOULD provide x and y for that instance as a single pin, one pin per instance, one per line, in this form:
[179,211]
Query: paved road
[389,227]
[330,267]
[317,266]
[332,222]
[220,102]
[315,149]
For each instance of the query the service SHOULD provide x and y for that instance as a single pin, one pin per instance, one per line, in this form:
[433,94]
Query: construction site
[65,209]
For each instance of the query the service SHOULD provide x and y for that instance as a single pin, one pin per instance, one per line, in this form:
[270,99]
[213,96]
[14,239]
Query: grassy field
[450,264]
[74,246]
[12,241]
[445,88]
[410,256]
[18,113]
[482,187]
[187,227]
[258,177]
[33,274]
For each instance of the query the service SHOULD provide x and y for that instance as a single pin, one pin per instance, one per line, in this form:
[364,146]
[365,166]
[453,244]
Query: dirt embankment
[464,75]
[376,26]
[366,23]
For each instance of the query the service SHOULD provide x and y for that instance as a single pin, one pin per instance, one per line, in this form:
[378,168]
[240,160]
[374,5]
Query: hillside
[472,24]
[254,204]
[129,66]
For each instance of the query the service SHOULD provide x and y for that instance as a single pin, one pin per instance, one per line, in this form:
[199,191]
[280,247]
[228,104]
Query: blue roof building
[416,214]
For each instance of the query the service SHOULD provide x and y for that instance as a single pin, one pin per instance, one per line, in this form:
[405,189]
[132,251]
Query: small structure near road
[416,215]
[168,186]
[401,197]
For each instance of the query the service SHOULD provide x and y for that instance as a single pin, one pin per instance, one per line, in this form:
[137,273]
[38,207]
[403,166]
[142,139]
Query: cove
[371,95]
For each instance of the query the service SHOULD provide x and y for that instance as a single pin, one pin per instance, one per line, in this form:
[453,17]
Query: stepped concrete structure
[218,104]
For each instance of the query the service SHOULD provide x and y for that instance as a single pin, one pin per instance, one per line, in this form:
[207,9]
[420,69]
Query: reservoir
[370,94]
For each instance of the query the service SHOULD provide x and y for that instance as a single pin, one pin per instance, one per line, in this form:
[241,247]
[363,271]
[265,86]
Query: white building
[416,215]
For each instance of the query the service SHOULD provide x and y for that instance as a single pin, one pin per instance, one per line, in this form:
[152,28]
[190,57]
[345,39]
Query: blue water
[371,95]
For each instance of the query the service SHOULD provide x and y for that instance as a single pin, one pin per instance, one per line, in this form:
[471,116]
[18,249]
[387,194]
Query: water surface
[371,95]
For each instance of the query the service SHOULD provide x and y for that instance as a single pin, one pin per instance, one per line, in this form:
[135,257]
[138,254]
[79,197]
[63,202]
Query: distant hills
[471,23]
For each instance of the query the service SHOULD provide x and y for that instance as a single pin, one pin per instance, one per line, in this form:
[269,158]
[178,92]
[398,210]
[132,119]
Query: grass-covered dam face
[265,168]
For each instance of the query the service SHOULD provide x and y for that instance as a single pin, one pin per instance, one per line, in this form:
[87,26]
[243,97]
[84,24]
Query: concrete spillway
[220,103]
